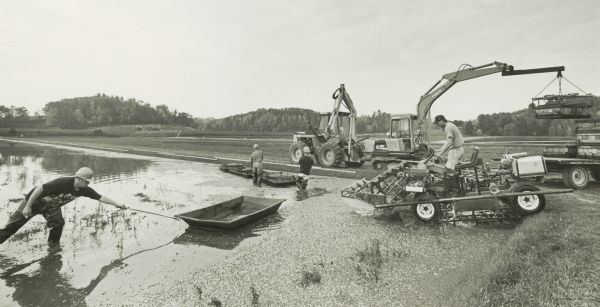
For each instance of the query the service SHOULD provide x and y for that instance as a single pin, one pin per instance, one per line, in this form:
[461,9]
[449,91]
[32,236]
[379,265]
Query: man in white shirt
[454,141]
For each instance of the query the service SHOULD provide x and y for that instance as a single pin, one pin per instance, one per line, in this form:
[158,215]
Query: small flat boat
[273,178]
[233,213]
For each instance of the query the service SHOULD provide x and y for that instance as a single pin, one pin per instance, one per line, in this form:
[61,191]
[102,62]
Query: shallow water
[99,240]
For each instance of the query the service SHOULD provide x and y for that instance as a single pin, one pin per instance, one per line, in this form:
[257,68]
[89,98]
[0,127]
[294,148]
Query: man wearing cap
[454,141]
[47,200]
[306,164]
[256,160]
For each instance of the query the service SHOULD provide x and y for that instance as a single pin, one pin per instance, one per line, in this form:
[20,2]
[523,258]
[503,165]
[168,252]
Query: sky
[225,57]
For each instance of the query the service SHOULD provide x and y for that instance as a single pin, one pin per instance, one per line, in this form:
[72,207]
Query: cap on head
[306,149]
[440,118]
[256,146]
[85,173]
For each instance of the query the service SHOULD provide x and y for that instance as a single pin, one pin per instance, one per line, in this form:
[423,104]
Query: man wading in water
[48,198]
[256,161]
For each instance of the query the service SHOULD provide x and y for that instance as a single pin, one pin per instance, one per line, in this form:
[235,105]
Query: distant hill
[520,122]
[289,120]
[103,110]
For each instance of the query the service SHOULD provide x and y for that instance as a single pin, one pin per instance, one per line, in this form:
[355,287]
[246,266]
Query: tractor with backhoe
[334,142]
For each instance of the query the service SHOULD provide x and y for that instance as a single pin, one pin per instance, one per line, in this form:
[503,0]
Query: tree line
[103,110]
[291,119]
[94,111]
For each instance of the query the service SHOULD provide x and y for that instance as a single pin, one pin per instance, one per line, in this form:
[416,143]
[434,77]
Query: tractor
[334,141]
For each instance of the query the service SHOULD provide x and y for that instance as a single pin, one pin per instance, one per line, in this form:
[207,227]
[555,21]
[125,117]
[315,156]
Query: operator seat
[470,163]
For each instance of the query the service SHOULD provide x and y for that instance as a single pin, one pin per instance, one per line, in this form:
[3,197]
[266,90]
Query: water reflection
[24,165]
[40,282]
[228,239]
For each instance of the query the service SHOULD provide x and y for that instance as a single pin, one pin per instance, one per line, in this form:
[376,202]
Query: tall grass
[552,259]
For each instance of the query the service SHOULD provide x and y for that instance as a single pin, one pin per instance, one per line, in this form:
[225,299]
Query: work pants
[53,216]
[257,171]
[454,156]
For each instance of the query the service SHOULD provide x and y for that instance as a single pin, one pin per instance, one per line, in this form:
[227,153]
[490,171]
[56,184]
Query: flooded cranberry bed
[100,243]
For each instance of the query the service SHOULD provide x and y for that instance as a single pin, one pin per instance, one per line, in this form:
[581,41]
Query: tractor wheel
[595,174]
[426,212]
[528,204]
[576,177]
[331,155]
[295,152]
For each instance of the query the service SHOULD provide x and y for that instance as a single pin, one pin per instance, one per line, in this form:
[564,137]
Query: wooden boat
[233,213]
[274,178]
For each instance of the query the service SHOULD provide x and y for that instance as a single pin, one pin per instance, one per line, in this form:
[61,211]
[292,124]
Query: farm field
[275,148]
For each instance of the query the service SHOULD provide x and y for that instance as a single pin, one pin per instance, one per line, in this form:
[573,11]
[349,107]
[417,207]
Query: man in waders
[454,141]
[47,200]
[306,163]
[256,160]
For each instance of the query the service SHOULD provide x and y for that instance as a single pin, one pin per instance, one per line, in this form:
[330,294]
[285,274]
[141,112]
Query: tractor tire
[576,177]
[595,174]
[527,204]
[331,155]
[426,212]
[295,152]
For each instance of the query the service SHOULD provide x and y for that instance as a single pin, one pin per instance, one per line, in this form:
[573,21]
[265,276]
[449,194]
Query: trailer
[579,160]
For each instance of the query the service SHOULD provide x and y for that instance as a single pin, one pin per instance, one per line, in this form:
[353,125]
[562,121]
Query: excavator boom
[465,72]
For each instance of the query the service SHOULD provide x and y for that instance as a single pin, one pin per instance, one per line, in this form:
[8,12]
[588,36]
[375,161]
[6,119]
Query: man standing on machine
[454,142]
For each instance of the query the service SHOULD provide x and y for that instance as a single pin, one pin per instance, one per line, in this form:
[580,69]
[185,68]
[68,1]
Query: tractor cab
[399,139]
[402,129]
[337,127]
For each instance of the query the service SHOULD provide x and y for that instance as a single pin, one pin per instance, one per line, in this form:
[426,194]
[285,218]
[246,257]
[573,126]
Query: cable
[584,92]
[545,87]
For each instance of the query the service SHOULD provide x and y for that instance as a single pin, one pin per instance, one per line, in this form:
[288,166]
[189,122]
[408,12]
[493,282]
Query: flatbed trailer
[576,172]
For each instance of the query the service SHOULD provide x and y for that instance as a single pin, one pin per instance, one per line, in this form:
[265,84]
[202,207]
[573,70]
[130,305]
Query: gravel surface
[329,251]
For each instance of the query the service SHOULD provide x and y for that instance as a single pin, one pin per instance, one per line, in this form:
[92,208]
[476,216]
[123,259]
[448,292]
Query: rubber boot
[55,234]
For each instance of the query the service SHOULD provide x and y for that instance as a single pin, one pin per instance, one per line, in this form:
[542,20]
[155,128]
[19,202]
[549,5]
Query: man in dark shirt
[48,198]
[306,164]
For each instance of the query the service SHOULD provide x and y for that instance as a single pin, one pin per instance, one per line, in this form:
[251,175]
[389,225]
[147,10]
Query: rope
[584,92]
[546,87]
[560,77]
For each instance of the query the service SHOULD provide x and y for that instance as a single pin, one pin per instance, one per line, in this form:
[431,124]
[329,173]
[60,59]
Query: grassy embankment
[552,259]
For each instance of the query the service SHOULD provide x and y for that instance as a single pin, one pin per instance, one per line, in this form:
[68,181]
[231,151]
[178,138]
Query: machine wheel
[595,174]
[576,177]
[354,163]
[331,155]
[295,152]
[426,212]
[528,204]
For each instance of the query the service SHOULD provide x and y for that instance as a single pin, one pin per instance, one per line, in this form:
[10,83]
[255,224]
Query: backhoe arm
[465,72]
[452,78]
[341,97]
